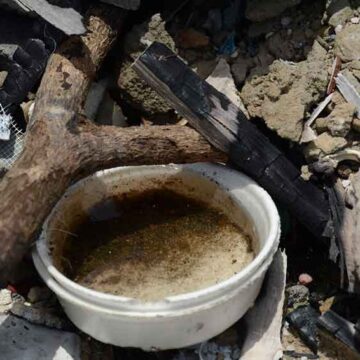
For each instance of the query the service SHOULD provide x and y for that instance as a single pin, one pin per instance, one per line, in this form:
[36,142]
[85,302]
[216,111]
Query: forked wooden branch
[62,146]
[225,126]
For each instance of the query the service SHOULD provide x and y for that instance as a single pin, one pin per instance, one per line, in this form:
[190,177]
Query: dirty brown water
[153,245]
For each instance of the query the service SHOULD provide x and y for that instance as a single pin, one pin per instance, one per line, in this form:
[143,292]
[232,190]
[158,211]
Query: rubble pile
[292,67]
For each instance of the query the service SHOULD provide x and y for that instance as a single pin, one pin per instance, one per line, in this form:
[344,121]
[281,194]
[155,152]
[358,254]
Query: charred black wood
[304,320]
[225,126]
[342,329]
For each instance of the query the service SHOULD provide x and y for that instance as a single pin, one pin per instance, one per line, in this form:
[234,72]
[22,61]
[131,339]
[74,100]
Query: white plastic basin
[175,321]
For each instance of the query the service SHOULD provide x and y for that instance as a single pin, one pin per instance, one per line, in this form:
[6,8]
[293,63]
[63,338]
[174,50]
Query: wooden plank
[226,127]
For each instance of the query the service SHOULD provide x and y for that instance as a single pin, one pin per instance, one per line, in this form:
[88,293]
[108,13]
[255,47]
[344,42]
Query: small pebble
[5,300]
[5,297]
[355,20]
[297,294]
[286,21]
[305,279]
[338,28]
[37,294]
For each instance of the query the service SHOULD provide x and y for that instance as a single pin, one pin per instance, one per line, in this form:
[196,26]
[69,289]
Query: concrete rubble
[133,90]
[33,329]
[283,97]
[347,43]
[20,339]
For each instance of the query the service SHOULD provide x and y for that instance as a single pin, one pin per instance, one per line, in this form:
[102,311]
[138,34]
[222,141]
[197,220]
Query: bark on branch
[62,146]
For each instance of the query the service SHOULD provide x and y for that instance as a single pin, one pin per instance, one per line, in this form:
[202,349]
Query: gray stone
[347,43]
[37,294]
[260,10]
[321,125]
[297,294]
[20,340]
[39,315]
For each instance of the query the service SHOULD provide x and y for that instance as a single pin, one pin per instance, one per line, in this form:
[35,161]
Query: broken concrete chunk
[260,10]
[221,79]
[39,315]
[284,96]
[340,119]
[340,17]
[347,43]
[21,340]
[321,125]
[143,35]
[324,144]
[135,91]
[140,95]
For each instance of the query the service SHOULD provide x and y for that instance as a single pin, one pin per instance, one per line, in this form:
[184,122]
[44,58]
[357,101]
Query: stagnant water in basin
[153,245]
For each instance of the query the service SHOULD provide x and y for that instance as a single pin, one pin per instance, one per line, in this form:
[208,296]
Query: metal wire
[12,148]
